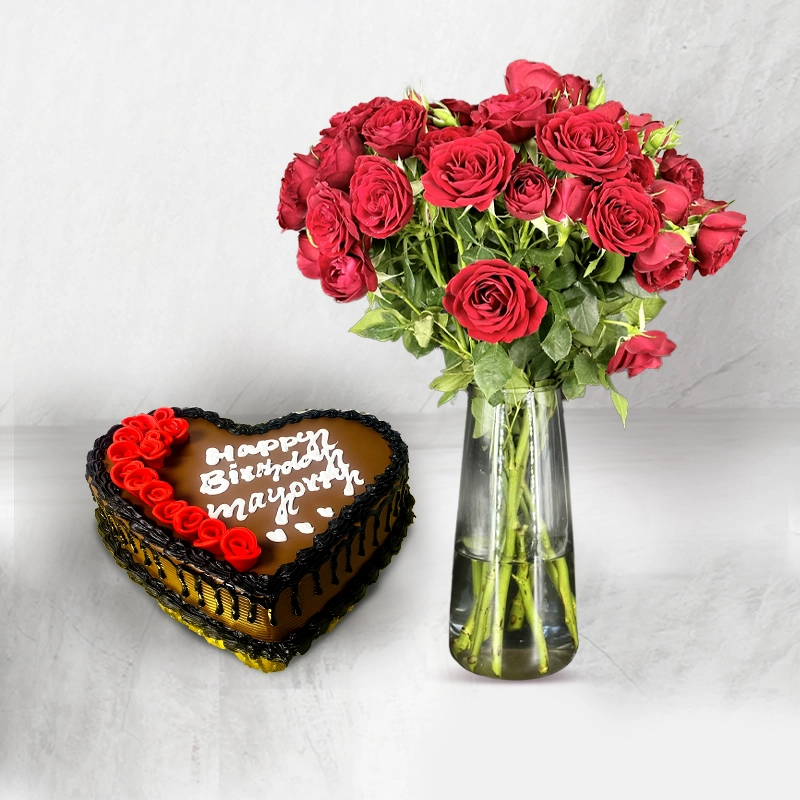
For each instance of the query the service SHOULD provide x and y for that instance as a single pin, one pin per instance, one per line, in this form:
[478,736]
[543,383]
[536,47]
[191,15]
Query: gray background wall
[142,150]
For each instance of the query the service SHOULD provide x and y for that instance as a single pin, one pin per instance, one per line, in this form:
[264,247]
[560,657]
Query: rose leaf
[558,341]
[493,367]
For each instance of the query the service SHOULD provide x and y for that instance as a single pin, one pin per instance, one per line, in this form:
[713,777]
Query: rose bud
[569,199]
[664,264]
[348,277]
[683,170]
[644,124]
[672,200]
[329,221]
[381,197]
[641,352]
[703,206]
[528,192]
[437,136]
[298,180]
[461,110]
[513,116]
[240,548]
[394,130]
[307,257]
[339,160]
[526,74]
[717,240]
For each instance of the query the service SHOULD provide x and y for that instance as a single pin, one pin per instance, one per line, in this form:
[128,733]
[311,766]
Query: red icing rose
[468,172]
[672,200]
[525,74]
[307,257]
[569,199]
[298,180]
[176,427]
[494,301]
[166,510]
[717,240]
[381,197]
[122,451]
[513,116]
[584,142]
[347,277]
[137,478]
[240,548]
[355,117]
[435,137]
[339,158]
[154,447]
[161,414]
[683,170]
[122,469]
[330,221]
[460,109]
[156,492]
[127,433]
[144,422]
[641,352]
[394,130]
[664,264]
[621,217]
[209,535]
[528,192]
[186,521]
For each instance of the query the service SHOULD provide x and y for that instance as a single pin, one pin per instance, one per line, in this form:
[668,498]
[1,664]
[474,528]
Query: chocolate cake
[257,537]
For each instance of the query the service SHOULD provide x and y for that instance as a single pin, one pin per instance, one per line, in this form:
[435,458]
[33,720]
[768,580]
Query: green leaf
[523,350]
[613,264]
[453,379]
[556,301]
[434,297]
[561,278]
[423,330]
[493,367]
[649,305]
[477,253]
[413,346]
[598,95]
[464,229]
[592,265]
[517,385]
[537,257]
[631,286]
[572,387]
[621,404]
[446,398]
[585,370]
[382,324]
[540,367]
[584,318]
[483,414]
[558,341]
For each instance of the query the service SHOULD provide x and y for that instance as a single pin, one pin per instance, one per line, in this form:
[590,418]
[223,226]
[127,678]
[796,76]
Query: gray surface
[144,143]
[687,681]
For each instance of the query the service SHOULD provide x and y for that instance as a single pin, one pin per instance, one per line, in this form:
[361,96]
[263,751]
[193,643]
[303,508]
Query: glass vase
[512,611]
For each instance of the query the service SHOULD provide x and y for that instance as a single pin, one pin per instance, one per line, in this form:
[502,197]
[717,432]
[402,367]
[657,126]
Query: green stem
[464,638]
[426,257]
[484,607]
[533,618]
[558,570]
[500,235]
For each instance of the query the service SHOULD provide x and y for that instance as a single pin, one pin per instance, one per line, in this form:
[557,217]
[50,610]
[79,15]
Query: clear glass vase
[512,612]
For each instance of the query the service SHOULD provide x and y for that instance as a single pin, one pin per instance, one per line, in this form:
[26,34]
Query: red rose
[307,257]
[128,433]
[137,478]
[167,509]
[209,535]
[494,301]
[525,74]
[621,217]
[176,427]
[611,111]
[122,451]
[435,137]
[339,158]
[664,264]
[569,198]
[460,109]
[154,447]
[144,422]
[513,116]
[122,469]
[187,520]
[643,170]
[717,240]
[575,89]
[348,277]
[672,200]
[394,130]
[703,206]
[156,492]
[584,142]
[468,172]
[683,170]
[355,117]
[240,548]
[528,192]
[381,197]
[641,352]
[330,221]
[298,180]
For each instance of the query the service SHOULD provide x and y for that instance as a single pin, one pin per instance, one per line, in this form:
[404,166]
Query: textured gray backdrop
[143,146]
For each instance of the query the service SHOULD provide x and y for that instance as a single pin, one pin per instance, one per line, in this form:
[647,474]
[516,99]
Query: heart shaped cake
[257,537]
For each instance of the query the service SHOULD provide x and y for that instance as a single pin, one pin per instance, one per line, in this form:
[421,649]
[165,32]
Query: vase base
[517,665]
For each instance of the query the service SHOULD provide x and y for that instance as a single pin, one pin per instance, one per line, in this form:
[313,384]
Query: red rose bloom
[641,352]
[381,197]
[437,136]
[525,74]
[460,109]
[127,433]
[621,217]
[348,277]
[240,548]
[144,422]
[468,172]
[575,89]
[298,180]
[569,198]
[643,170]
[122,469]
[584,142]
[137,478]
[330,221]
[355,117]
[176,427]
[513,116]
[209,535]
[703,206]
[494,301]
[338,160]
[528,192]
[122,451]
[664,264]
[683,170]
[167,509]
[394,130]
[307,257]
[672,200]
[187,520]
[718,239]
[156,492]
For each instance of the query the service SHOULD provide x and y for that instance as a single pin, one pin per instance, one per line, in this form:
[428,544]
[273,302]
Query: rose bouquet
[527,237]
